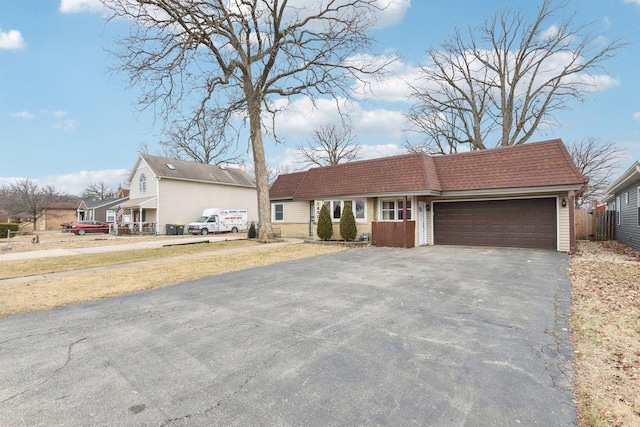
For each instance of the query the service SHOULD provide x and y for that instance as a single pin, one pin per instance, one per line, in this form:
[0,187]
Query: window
[391,210]
[618,213]
[142,184]
[111,215]
[336,208]
[638,205]
[626,197]
[278,211]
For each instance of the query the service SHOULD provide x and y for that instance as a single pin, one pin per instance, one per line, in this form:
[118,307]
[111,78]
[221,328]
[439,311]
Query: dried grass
[50,293]
[606,330]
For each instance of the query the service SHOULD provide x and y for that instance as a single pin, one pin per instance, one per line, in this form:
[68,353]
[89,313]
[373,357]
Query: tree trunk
[260,165]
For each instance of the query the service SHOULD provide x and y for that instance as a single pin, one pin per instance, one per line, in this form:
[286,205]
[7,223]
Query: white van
[216,220]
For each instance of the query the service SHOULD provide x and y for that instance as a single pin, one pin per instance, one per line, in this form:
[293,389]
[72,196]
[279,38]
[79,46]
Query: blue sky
[66,121]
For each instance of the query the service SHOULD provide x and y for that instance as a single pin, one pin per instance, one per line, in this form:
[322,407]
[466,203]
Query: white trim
[514,191]
[273,212]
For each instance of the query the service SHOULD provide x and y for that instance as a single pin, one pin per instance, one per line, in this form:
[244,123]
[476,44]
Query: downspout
[404,222]
[157,227]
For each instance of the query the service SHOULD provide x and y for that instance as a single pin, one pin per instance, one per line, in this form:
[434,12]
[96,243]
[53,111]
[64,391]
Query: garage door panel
[530,223]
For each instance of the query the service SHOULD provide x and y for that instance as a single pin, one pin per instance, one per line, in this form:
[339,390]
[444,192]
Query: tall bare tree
[33,199]
[238,56]
[600,162]
[330,145]
[495,84]
[98,191]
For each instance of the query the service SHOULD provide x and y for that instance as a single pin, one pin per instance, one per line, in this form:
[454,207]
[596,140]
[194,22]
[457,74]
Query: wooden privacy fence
[595,225]
[390,234]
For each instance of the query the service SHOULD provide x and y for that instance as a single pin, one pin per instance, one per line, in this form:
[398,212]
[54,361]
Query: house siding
[564,225]
[628,231]
[296,219]
[182,202]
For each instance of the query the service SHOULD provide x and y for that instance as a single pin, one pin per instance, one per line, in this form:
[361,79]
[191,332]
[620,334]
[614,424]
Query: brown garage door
[525,223]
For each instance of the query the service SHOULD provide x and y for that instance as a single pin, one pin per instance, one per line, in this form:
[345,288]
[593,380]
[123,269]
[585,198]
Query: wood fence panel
[585,224]
[389,234]
[605,225]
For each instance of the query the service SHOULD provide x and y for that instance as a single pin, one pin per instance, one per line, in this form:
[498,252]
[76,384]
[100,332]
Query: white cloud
[633,2]
[75,183]
[392,12]
[78,6]
[377,151]
[58,114]
[636,116]
[66,126]
[23,115]
[11,40]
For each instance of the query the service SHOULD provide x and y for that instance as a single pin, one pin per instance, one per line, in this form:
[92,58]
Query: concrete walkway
[131,246]
[147,244]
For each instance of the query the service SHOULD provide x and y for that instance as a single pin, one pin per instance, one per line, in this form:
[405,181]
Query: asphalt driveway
[446,336]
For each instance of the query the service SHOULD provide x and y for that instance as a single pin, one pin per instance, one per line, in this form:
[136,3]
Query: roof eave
[203,181]
[513,191]
[632,173]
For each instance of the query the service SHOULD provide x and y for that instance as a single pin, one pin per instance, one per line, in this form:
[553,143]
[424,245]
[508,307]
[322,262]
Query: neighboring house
[51,218]
[520,196]
[100,210]
[623,196]
[169,191]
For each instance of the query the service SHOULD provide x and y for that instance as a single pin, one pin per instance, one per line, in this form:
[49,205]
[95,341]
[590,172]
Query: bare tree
[330,145]
[98,191]
[598,161]
[33,199]
[494,85]
[275,172]
[238,56]
[202,140]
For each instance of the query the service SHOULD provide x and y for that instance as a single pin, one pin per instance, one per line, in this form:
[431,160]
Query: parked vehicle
[82,227]
[217,220]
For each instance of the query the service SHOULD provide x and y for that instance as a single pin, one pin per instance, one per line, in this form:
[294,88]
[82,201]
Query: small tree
[325,227]
[348,229]
[252,231]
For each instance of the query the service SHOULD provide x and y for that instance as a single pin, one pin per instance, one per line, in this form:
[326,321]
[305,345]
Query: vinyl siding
[182,202]
[564,226]
[628,231]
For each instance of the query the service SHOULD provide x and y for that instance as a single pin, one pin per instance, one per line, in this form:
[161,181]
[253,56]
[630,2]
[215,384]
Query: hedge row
[4,227]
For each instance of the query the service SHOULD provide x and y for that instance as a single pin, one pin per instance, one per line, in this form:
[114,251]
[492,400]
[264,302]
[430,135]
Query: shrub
[4,227]
[252,231]
[348,229]
[325,227]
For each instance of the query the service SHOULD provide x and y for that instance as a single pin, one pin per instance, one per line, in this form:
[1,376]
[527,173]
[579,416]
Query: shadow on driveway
[374,336]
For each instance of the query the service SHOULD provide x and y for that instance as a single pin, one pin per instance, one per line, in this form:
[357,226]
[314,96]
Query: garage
[521,223]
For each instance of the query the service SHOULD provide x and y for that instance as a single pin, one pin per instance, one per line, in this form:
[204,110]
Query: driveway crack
[53,374]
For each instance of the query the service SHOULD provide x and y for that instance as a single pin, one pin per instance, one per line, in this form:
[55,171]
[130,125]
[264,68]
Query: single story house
[165,191]
[623,196]
[50,218]
[519,196]
[100,210]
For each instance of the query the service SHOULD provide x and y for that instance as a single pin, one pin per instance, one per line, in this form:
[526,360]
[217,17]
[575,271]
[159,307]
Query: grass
[78,262]
[171,266]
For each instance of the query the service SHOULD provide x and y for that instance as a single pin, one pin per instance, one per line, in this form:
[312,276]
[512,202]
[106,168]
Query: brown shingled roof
[541,164]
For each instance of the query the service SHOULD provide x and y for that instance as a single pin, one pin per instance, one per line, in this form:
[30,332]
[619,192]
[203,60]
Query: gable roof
[166,168]
[95,204]
[533,165]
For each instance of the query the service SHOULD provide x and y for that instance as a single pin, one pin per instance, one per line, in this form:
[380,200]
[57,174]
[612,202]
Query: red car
[82,227]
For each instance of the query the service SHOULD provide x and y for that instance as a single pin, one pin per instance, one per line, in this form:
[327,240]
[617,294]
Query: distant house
[170,191]
[51,218]
[623,196]
[520,196]
[99,210]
